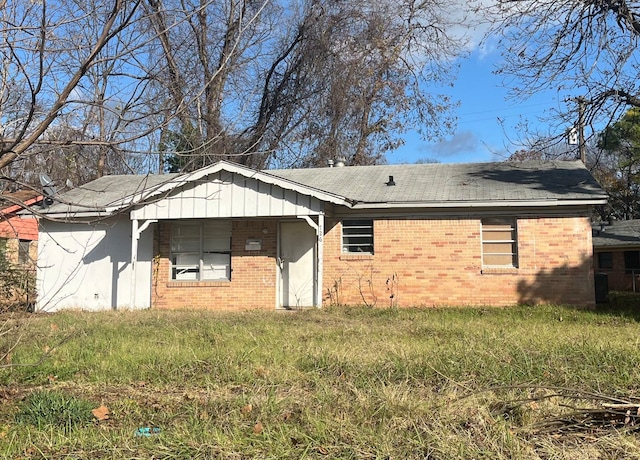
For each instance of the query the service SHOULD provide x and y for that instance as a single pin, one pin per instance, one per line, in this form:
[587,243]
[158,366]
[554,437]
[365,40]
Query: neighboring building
[228,237]
[616,248]
[18,250]
[19,233]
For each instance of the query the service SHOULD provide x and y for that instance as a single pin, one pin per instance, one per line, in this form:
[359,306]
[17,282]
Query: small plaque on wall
[253,245]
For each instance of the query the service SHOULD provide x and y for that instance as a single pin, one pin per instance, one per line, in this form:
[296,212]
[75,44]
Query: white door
[296,260]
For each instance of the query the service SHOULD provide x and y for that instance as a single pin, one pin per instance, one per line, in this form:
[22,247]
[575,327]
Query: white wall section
[88,266]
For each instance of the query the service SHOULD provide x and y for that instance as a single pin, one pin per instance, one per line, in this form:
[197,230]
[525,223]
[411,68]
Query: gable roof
[420,185]
[620,233]
[109,194]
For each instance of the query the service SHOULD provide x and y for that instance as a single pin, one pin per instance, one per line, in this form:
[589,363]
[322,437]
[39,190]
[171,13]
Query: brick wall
[253,276]
[428,262]
[417,262]
[617,277]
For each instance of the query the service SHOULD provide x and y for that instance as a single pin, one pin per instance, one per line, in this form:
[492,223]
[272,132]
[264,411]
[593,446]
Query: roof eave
[480,204]
[76,214]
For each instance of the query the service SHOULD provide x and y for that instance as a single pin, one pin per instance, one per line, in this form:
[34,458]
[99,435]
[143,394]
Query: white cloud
[461,142]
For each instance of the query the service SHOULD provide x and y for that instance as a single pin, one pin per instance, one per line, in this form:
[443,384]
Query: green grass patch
[46,409]
[330,383]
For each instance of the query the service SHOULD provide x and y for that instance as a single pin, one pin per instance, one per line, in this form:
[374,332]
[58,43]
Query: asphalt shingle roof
[618,233]
[415,183]
[105,191]
[440,182]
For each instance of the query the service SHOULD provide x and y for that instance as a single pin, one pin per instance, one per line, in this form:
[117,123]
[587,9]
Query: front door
[296,261]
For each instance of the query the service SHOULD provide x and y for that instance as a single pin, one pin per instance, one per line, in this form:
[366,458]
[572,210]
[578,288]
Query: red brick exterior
[416,262]
[435,262]
[253,276]
[617,277]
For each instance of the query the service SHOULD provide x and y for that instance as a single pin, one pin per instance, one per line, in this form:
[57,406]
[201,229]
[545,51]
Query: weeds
[332,383]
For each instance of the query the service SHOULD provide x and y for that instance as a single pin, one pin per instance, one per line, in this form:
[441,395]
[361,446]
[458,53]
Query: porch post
[134,259]
[320,263]
[136,231]
[319,228]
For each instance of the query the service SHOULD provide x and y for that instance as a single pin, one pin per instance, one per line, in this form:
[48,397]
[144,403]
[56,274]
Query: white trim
[478,204]
[134,258]
[319,254]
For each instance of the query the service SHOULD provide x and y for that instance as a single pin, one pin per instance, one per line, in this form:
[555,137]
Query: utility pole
[579,127]
[582,148]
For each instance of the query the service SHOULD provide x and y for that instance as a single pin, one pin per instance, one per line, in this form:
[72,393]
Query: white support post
[319,228]
[135,234]
[136,231]
[320,233]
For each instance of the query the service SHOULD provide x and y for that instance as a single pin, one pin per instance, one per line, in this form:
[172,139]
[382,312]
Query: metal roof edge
[480,204]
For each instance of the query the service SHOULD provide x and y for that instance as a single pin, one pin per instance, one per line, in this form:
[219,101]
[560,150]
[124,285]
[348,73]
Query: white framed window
[201,251]
[357,236]
[499,243]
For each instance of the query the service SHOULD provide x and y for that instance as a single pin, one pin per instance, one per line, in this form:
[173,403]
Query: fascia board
[76,215]
[616,247]
[479,204]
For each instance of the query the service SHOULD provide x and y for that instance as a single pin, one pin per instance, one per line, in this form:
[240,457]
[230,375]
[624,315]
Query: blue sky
[479,135]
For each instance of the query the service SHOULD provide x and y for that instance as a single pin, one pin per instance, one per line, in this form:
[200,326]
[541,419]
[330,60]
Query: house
[18,250]
[229,237]
[18,233]
[616,248]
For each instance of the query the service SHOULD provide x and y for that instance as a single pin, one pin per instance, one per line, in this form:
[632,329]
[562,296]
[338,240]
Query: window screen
[632,261]
[201,251]
[605,260]
[357,236]
[499,243]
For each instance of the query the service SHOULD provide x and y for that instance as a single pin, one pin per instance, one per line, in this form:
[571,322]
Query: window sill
[182,284]
[356,256]
[498,270]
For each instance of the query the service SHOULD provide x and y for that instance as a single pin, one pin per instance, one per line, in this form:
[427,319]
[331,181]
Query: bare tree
[90,88]
[48,51]
[580,48]
[295,83]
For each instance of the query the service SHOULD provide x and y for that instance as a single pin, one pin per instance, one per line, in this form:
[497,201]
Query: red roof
[12,225]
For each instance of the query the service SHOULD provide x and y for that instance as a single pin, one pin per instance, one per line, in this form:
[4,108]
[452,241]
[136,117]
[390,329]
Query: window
[605,260]
[3,248]
[632,261]
[357,236]
[201,251]
[24,252]
[499,243]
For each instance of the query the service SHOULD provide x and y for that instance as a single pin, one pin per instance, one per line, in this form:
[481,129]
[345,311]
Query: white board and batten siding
[224,195]
[88,267]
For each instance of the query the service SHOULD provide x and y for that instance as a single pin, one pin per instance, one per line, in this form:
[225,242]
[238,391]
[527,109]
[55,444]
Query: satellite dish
[48,190]
[45,180]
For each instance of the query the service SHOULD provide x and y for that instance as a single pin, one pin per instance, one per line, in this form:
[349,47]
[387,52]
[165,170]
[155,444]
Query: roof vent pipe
[391,182]
[330,163]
